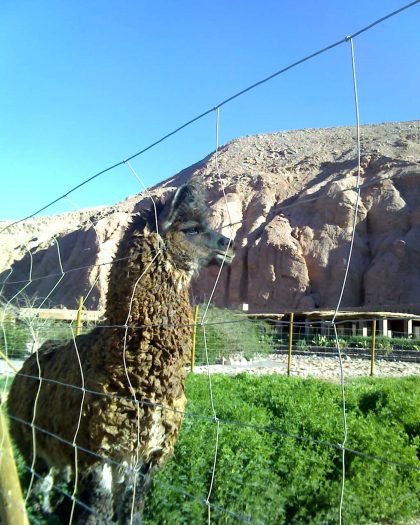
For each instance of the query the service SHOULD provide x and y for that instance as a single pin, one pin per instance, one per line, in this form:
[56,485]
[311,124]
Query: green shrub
[359,341]
[229,333]
[266,474]
[24,337]
[13,338]
[303,345]
[277,479]
[321,340]
[383,343]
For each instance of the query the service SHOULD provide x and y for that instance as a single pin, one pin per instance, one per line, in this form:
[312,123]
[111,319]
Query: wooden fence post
[12,505]
[372,357]
[194,341]
[79,316]
[289,354]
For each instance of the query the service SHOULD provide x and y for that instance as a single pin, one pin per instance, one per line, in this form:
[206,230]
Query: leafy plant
[230,333]
[321,340]
[302,345]
[276,459]
[384,343]
[265,475]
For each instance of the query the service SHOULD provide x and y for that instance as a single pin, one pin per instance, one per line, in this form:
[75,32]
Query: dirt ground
[312,366]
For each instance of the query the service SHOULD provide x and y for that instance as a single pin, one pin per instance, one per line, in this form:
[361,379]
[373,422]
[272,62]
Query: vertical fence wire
[204,316]
[40,378]
[159,247]
[76,432]
[74,333]
[356,210]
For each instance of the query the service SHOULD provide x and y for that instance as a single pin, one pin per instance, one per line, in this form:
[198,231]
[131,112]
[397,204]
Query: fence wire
[218,341]
[218,106]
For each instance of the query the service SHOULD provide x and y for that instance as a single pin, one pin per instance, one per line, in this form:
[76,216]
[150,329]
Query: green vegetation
[16,336]
[382,343]
[277,479]
[385,343]
[230,333]
[273,463]
[24,337]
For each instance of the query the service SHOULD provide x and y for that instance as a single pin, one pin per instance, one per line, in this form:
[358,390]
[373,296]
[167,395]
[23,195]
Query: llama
[142,353]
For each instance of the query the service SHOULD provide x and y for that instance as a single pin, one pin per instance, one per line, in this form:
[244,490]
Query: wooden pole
[12,505]
[372,357]
[194,341]
[289,354]
[79,316]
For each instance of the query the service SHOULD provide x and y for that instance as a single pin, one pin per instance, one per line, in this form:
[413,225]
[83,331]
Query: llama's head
[183,225]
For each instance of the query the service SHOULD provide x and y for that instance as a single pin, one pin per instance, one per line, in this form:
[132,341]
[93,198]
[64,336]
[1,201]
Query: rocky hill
[291,198]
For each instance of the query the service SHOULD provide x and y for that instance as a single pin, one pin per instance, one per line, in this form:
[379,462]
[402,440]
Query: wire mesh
[223,338]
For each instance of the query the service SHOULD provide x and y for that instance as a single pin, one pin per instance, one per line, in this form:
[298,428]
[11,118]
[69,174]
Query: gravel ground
[302,366]
[313,366]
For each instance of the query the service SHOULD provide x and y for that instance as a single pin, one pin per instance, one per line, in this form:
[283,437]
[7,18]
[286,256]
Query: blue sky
[84,85]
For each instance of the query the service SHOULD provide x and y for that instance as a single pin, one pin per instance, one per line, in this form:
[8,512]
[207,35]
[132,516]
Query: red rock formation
[291,198]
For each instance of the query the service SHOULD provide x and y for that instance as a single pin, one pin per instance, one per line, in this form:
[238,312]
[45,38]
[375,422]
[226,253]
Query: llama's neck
[144,287]
[148,301]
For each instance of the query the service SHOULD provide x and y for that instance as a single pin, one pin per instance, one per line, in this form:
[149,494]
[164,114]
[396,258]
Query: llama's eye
[192,231]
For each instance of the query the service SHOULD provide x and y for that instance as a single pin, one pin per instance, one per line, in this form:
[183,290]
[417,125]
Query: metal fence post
[289,354]
[79,316]
[12,505]
[372,357]
[194,341]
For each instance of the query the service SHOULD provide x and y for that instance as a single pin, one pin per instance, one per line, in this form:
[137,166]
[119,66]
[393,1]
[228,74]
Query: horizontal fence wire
[243,318]
[218,106]
[279,209]
[210,419]
[109,460]
[70,270]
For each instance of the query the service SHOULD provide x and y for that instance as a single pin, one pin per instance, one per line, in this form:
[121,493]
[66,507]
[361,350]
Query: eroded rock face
[52,261]
[291,200]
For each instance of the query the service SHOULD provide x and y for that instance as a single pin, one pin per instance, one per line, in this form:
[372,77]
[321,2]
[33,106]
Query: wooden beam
[12,504]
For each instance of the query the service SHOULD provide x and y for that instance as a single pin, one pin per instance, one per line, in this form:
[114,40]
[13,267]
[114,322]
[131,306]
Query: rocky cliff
[291,198]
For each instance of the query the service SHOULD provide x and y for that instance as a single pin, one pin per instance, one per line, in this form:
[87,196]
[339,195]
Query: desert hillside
[291,198]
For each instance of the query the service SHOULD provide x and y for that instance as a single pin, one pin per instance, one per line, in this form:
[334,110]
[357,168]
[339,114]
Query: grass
[24,338]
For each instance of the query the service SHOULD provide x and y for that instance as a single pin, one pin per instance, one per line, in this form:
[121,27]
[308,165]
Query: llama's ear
[180,199]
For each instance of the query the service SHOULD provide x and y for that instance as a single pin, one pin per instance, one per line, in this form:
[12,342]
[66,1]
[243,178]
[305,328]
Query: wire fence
[220,337]
[234,337]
